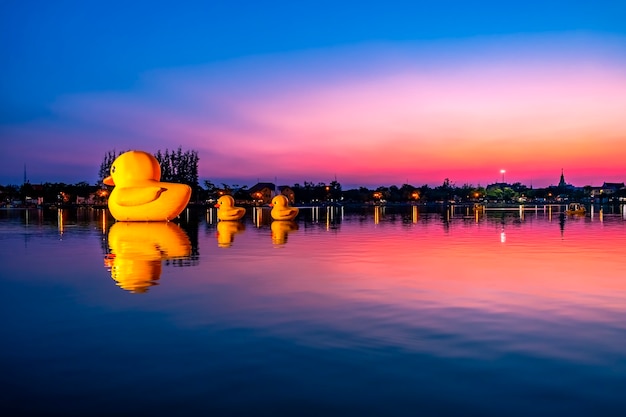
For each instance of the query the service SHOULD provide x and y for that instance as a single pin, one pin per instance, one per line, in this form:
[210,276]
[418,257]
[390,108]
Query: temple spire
[562,183]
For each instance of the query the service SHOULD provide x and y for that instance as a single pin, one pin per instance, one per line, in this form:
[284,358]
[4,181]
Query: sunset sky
[372,93]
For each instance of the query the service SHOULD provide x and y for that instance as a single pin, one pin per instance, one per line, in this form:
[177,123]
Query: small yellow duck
[139,195]
[226,232]
[137,250]
[281,229]
[226,209]
[281,209]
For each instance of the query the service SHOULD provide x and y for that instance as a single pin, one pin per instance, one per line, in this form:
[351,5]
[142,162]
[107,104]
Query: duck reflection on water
[281,230]
[137,249]
[226,231]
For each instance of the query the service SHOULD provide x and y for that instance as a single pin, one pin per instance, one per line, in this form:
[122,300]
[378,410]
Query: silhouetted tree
[335,190]
[241,193]
[444,192]
[9,193]
[105,166]
[360,195]
[406,192]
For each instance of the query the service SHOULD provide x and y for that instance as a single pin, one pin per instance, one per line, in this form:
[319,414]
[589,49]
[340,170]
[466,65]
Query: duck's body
[139,195]
[281,209]
[226,209]
[150,201]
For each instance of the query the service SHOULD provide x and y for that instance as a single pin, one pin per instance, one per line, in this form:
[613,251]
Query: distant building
[91,200]
[563,186]
[608,192]
[287,192]
[562,183]
[263,192]
[611,187]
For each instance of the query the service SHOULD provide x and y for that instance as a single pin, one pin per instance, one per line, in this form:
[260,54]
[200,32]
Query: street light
[502,172]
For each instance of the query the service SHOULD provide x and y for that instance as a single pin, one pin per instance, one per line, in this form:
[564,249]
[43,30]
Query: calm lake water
[373,312]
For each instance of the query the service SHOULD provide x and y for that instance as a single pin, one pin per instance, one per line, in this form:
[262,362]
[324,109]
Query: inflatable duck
[226,232]
[136,251]
[139,195]
[281,209]
[281,229]
[226,209]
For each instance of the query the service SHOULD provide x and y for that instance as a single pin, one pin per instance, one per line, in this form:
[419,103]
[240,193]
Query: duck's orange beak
[271,205]
[216,205]
[108,180]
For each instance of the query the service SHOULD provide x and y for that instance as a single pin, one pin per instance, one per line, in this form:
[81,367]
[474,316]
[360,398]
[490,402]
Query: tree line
[176,166]
[310,192]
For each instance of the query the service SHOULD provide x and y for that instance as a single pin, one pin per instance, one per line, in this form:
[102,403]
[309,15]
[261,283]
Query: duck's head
[279,201]
[133,166]
[225,201]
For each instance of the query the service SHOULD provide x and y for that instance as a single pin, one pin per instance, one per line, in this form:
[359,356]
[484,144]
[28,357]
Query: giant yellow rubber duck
[226,209]
[137,250]
[139,195]
[281,209]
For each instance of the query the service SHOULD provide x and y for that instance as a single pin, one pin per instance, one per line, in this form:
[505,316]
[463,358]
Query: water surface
[377,311]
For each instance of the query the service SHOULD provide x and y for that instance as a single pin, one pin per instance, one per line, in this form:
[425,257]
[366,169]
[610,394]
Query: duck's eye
[113,169]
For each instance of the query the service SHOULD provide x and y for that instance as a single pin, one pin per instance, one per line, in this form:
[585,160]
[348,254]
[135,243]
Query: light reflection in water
[536,255]
[381,283]
[60,214]
[210,216]
[315,214]
[103,214]
[379,211]
[261,216]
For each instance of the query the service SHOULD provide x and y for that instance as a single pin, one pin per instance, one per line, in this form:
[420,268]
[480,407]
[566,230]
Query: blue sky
[55,50]
[60,47]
